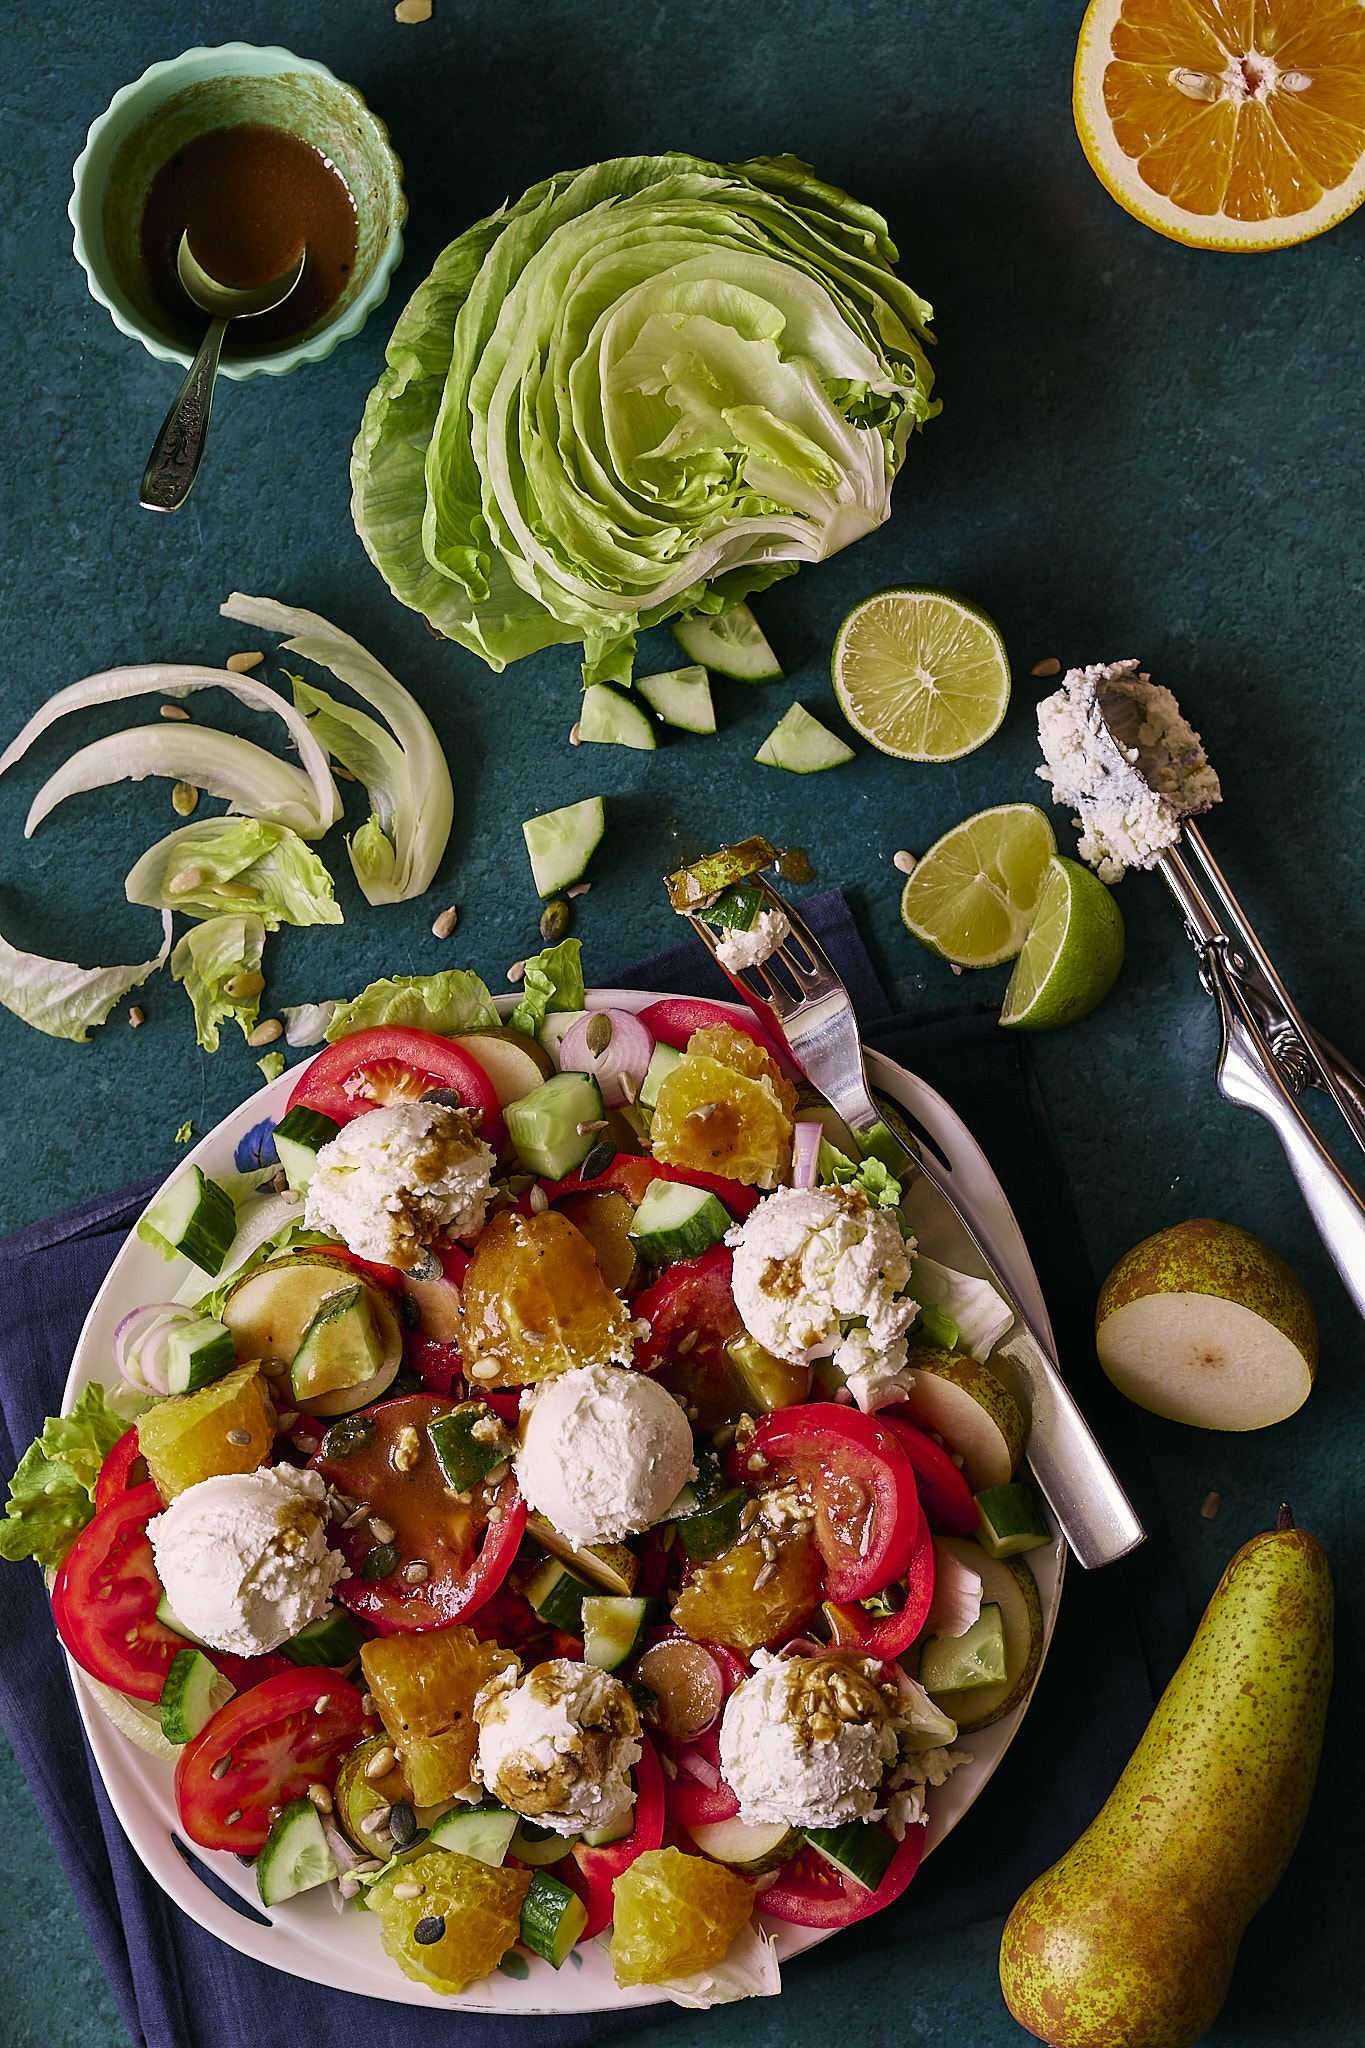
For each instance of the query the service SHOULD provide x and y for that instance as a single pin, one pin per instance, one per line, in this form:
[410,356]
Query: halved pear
[1204,1324]
[975,1414]
[514,1063]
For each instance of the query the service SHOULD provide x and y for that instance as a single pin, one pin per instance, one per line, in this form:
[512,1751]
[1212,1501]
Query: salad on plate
[562,1502]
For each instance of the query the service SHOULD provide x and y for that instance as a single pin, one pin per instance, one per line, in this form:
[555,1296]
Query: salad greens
[447,1003]
[65,1000]
[209,957]
[880,1186]
[52,1495]
[553,980]
[290,884]
[646,388]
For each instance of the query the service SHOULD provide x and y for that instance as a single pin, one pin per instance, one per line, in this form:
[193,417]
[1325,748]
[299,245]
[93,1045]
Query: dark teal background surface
[1143,449]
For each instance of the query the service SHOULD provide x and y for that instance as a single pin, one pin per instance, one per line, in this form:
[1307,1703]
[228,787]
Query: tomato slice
[467,1548]
[675,1018]
[860,1482]
[123,1468]
[886,1638]
[105,1598]
[630,1175]
[280,1738]
[943,1492]
[812,1893]
[374,1069]
[597,1869]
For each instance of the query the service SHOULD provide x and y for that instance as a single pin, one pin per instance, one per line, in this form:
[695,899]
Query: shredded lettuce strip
[291,885]
[64,1000]
[396,854]
[306,1023]
[52,1494]
[982,1316]
[256,783]
[210,955]
[553,981]
[446,1003]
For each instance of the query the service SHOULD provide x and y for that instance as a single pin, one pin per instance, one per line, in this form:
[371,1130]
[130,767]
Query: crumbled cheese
[559,1744]
[394,1179]
[807,1740]
[750,949]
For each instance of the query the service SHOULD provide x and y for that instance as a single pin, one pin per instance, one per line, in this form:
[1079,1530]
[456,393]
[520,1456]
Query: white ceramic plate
[307,1937]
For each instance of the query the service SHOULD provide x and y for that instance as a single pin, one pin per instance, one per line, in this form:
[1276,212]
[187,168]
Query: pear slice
[514,1063]
[1203,1324]
[975,1414]
[1008,1582]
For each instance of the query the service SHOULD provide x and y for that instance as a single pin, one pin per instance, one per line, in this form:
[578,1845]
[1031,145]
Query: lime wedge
[921,674]
[1072,955]
[974,894]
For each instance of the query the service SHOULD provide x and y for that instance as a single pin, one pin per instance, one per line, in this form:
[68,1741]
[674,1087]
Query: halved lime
[921,673]
[1072,955]
[974,894]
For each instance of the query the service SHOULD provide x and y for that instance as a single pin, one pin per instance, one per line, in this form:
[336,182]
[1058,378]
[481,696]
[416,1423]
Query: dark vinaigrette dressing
[250,197]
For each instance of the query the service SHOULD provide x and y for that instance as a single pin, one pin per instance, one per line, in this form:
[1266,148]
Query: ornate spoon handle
[174,461]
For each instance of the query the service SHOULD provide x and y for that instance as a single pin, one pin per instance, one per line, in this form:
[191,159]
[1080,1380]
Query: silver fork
[814,1013]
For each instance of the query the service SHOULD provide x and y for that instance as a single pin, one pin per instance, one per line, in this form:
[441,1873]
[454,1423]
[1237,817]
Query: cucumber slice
[171,1620]
[961,1663]
[1011,1519]
[800,744]
[555,1029]
[736,909]
[471,1441]
[611,1625]
[340,1348]
[675,1221]
[611,1567]
[682,697]
[299,1137]
[614,1831]
[1007,1583]
[552,1917]
[296,1855]
[561,843]
[484,1832]
[662,1061]
[557,1594]
[713,1528]
[193,1692]
[708,1486]
[543,1126]
[191,1218]
[197,1354]
[859,1849]
[332,1641]
[609,719]
[731,644]
[538,1846]
[751,1848]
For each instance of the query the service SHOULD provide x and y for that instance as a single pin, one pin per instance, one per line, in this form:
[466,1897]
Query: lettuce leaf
[208,957]
[290,884]
[982,1316]
[52,1494]
[446,1003]
[64,1000]
[880,1186]
[306,1023]
[553,981]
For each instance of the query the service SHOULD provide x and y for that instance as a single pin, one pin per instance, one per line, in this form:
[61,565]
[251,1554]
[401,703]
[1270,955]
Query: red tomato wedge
[943,1492]
[375,1069]
[860,1481]
[280,1737]
[893,1633]
[123,1468]
[595,1870]
[105,1598]
[812,1893]
[675,1018]
[630,1175]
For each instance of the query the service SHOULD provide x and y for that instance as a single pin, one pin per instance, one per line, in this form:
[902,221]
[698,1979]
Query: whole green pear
[1129,1941]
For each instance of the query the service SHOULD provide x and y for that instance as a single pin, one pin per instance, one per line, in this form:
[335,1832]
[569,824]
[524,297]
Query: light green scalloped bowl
[174,102]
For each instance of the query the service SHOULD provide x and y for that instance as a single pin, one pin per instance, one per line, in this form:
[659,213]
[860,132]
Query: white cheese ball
[807,1740]
[604,1452]
[394,1179]
[559,1745]
[244,1558]
[808,1259]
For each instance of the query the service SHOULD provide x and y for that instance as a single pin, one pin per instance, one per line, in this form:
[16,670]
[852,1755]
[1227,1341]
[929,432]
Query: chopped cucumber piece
[191,1218]
[538,1846]
[609,719]
[169,1619]
[735,909]
[561,843]
[769,1381]
[484,1832]
[557,1594]
[675,1221]
[556,1028]
[730,645]
[544,1124]
[708,1486]
[662,1061]
[193,1692]
[800,744]
[713,1528]
[299,1136]
[614,1830]
[340,1348]
[611,1625]
[296,1855]
[197,1354]
[960,1663]
[859,1849]
[682,697]
[471,1441]
[1011,1519]
[332,1641]
[751,1847]
[552,1917]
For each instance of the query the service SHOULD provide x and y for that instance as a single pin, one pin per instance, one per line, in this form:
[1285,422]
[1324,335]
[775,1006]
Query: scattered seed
[768,1547]
[243,986]
[1295,81]
[417,1573]
[691,1413]
[495,1513]
[239,1436]
[321,1705]
[288,1416]
[185,881]
[381,1531]
[407,1890]
[516,972]
[412,10]
[579,889]
[306,1442]
[176,711]
[749,1513]
[586,1129]
[628,1088]
[956,969]
[723,1437]
[320,1796]
[240,892]
[342,774]
[222,1767]
[184,799]
[240,663]
[598,1033]
[136,1016]
[445,924]
[267,1033]
[538,1201]
[369,1704]
[575,734]
[1196,85]
[1050,667]
[684,1345]
[484,1369]
[756,1462]
[380,1563]
[764,1573]
[642,1328]
[704,1111]
[1210,1505]
[906,862]
[377,1818]
[433,1926]
[554,921]
[402,1823]
[381,1763]
[234,1816]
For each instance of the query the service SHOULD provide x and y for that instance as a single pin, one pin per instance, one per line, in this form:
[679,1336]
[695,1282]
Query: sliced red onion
[806,1163]
[627,1054]
[699,1767]
[957,1595]
[140,1344]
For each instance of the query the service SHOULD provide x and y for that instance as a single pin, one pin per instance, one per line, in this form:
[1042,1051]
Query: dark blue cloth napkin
[1118,1638]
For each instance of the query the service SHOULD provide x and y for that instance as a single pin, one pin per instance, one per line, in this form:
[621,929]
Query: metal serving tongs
[814,1017]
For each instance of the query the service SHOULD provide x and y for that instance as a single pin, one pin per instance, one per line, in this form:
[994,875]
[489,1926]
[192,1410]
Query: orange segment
[1226,124]
[675,1915]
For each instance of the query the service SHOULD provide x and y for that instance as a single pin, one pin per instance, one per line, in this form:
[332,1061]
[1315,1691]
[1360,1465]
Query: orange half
[1226,124]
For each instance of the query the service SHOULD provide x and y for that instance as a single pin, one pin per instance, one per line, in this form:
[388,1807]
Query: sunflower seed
[1050,667]
[764,1574]
[240,1437]
[320,1796]
[176,711]
[445,924]
[538,1201]
[1210,1505]
[516,972]
[136,1016]
[381,1763]
[240,663]
[906,862]
[381,1531]
[704,1111]
[222,1767]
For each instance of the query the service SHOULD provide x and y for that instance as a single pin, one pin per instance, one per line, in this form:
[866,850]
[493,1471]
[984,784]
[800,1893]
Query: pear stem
[1286,1519]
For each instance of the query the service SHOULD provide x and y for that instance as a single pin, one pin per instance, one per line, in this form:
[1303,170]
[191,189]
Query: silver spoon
[174,461]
